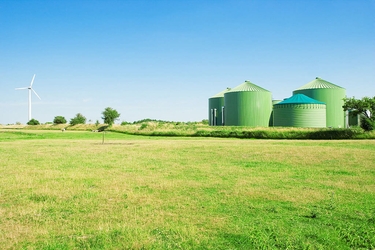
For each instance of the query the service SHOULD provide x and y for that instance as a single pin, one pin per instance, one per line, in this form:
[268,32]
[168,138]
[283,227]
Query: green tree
[364,107]
[110,115]
[59,120]
[33,122]
[78,119]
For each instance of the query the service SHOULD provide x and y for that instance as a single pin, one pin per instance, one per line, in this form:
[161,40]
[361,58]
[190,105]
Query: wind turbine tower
[30,88]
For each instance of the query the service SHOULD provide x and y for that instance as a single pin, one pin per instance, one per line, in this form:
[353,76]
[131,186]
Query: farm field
[70,191]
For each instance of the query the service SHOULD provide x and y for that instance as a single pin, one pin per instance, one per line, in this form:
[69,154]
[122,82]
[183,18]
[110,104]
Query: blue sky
[163,59]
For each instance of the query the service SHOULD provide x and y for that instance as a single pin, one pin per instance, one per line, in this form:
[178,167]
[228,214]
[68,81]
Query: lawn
[72,191]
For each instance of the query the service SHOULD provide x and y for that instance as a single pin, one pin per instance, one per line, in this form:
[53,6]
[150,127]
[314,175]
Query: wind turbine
[30,88]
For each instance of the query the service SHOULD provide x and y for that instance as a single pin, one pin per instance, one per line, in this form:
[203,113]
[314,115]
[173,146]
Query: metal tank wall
[300,115]
[248,105]
[271,117]
[330,94]
[215,108]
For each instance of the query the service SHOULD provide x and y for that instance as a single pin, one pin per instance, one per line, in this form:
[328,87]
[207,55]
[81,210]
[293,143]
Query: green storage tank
[215,109]
[329,93]
[300,111]
[271,117]
[247,105]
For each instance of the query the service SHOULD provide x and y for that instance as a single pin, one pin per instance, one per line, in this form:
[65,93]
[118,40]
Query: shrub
[143,126]
[33,122]
[59,120]
[367,124]
[78,119]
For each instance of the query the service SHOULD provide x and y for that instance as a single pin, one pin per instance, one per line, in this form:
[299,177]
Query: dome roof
[319,83]
[299,99]
[248,86]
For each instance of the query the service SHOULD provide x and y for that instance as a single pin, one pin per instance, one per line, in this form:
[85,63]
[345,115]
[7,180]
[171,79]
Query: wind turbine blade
[22,88]
[32,81]
[36,94]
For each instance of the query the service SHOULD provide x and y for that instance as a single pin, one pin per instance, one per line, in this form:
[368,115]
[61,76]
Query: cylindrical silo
[271,117]
[329,93]
[215,109]
[300,111]
[247,105]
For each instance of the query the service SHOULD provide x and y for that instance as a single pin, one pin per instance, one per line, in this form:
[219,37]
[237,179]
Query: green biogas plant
[317,104]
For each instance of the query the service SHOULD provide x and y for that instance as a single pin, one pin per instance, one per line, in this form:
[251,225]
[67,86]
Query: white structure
[30,89]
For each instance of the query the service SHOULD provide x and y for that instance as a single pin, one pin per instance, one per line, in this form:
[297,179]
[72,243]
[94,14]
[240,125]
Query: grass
[201,130]
[69,191]
[197,129]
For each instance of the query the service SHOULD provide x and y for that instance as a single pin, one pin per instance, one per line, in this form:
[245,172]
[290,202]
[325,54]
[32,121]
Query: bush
[367,124]
[33,122]
[78,119]
[143,126]
[59,120]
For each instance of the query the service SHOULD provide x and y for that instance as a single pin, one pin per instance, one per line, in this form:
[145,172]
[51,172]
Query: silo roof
[248,86]
[319,83]
[299,99]
[221,94]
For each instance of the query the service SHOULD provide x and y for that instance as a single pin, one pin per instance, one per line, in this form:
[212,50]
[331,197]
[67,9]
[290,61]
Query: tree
[110,115]
[33,122]
[59,120]
[205,121]
[78,119]
[364,107]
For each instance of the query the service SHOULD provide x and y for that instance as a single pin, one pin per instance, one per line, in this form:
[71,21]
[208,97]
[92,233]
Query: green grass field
[70,191]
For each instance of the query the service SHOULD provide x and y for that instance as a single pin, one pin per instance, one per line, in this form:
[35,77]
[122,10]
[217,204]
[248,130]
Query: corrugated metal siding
[332,95]
[215,103]
[335,115]
[271,117]
[300,115]
[248,108]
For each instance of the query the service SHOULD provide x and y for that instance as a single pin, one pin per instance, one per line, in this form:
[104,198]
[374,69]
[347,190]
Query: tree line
[109,117]
[364,107]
